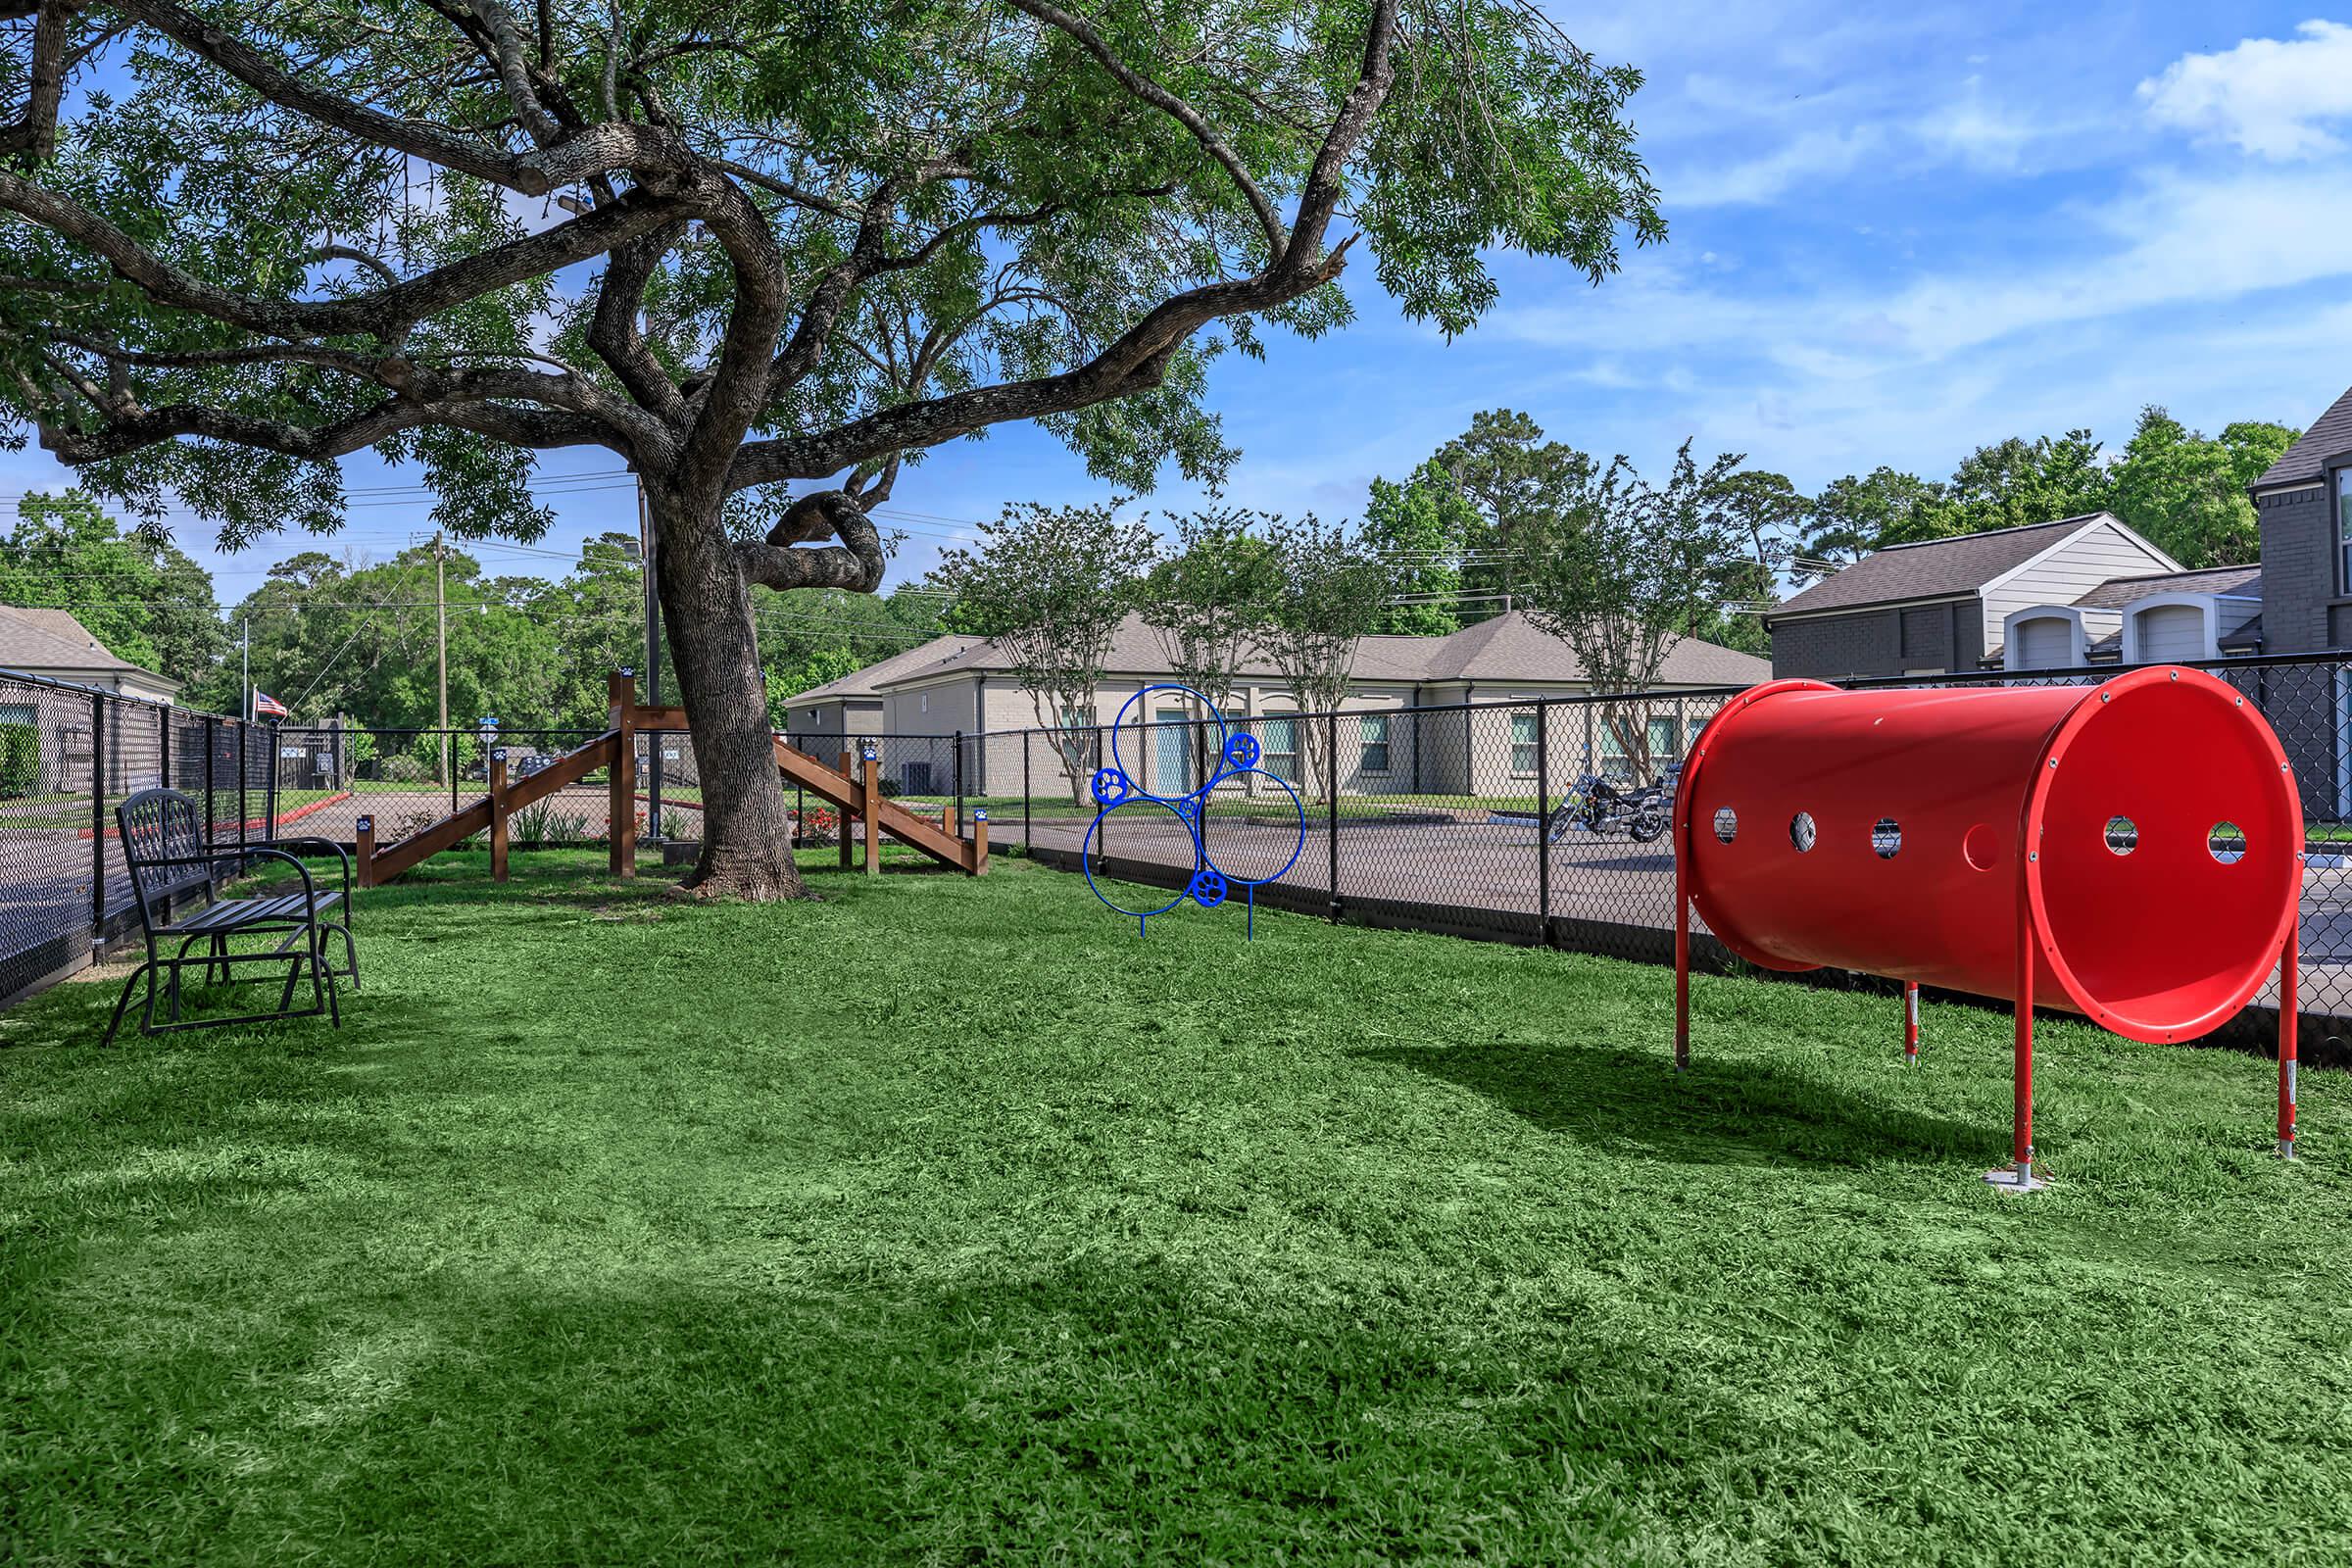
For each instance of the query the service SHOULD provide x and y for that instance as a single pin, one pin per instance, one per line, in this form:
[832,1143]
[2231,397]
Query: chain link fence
[1536,820]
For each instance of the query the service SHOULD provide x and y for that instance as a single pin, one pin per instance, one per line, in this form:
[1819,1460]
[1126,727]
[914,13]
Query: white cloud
[2268,96]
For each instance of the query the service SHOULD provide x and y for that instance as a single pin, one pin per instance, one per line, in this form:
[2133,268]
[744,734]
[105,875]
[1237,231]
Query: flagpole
[245,663]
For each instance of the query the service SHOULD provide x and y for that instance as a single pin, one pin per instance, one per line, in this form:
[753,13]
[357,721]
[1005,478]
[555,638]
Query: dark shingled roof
[1934,569]
[2244,581]
[2330,436]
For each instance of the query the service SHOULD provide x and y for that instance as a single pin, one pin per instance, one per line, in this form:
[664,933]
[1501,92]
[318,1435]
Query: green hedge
[20,759]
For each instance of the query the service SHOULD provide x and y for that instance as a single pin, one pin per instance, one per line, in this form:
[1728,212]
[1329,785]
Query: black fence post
[1028,834]
[270,788]
[1544,823]
[212,745]
[97,820]
[958,765]
[334,754]
[449,749]
[244,783]
[1331,815]
[163,734]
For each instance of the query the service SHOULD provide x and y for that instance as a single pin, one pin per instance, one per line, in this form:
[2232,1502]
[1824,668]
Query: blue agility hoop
[1120,762]
[1207,884]
[1296,850]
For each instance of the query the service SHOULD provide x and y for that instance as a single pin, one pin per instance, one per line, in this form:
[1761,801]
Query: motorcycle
[1597,806]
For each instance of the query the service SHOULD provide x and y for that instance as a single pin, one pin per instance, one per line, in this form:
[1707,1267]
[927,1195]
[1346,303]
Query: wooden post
[979,842]
[843,834]
[498,815]
[365,851]
[873,818]
[623,775]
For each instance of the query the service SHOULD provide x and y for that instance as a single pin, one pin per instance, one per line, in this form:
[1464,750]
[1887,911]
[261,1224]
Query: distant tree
[1421,526]
[2186,492]
[140,597]
[1625,569]
[818,668]
[1515,479]
[1204,596]
[1768,510]
[1051,585]
[1329,594]
[2017,481]
[1855,516]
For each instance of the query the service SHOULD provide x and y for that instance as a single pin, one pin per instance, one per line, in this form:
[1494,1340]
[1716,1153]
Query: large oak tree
[746,244]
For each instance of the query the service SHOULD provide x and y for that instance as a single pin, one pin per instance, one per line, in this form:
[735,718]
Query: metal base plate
[2009,1179]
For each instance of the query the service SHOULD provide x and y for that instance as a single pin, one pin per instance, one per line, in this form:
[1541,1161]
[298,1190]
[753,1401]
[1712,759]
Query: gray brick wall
[2298,572]
[1881,642]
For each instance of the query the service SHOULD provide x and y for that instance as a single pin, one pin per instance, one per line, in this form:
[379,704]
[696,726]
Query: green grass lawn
[947,1221]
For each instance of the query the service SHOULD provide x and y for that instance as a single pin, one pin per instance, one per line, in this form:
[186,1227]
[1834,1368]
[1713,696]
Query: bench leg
[321,971]
[124,1001]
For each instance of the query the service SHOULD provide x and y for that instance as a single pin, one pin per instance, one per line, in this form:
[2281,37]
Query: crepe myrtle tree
[744,244]
[1050,586]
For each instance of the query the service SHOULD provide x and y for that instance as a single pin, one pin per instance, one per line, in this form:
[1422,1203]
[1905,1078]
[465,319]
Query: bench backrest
[161,826]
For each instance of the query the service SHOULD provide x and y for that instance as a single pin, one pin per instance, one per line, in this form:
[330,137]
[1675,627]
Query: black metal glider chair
[163,848]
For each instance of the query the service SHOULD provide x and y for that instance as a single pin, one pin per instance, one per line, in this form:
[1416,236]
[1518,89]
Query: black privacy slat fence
[1521,821]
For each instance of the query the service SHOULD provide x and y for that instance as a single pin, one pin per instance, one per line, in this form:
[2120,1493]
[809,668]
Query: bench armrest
[340,853]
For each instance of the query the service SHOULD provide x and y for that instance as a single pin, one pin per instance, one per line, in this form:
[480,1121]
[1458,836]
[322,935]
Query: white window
[2343,529]
[1375,756]
[1279,748]
[926,703]
[1523,745]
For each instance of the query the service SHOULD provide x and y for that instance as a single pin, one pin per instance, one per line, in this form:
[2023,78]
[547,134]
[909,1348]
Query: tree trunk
[747,833]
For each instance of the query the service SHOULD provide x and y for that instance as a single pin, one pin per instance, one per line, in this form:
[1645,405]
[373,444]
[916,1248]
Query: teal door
[1171,753]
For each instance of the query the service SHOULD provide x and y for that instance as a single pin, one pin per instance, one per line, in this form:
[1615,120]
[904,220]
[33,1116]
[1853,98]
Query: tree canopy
[141,597]
[742,243]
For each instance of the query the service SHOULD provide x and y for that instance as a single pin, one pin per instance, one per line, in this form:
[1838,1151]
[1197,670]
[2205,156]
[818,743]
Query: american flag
[266,706]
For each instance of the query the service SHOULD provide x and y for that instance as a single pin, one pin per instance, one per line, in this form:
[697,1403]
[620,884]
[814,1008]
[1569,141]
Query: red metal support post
[2288,958]
[1681,926]
[1910,1023]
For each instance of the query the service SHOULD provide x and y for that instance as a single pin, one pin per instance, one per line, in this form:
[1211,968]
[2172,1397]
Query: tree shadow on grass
[1721,1112]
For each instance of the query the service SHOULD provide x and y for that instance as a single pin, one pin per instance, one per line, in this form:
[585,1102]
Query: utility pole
[441,615]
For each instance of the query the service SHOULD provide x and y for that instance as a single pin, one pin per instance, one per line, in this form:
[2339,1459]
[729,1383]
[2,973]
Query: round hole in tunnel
[1886,838]
[1801,831]
[2121,835]
[1727,824]
[2227,842]
[1980,847]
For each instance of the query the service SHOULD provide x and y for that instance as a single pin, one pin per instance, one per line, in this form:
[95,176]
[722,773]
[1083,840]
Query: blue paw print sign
[1252,833]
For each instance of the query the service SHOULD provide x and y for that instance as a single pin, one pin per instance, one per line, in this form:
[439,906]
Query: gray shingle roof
[2329,437]
[867,682]
[44,640]
[1506,648]
[1934,569]
[2115,594]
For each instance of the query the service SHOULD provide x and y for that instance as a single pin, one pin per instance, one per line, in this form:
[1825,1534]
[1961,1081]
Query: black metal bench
[164,848]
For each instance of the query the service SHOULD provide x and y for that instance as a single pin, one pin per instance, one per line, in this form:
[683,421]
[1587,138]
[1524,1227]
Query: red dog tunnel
[2130,852]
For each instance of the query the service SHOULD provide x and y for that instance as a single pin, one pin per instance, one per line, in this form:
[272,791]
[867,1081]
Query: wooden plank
[873,819]
[392,861]
[659,718]
[841,801]
[498,815]
[570,768]
[898,822]
[364,851]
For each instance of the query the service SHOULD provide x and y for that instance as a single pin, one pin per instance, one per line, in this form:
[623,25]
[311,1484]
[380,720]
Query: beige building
[52,643]
[955,685]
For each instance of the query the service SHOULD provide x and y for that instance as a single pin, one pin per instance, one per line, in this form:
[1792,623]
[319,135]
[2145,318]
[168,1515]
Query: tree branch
[1152,92]
[781,561]
[34,137]
[385,313]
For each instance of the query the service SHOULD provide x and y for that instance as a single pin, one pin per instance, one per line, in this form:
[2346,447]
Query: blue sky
[1896,232]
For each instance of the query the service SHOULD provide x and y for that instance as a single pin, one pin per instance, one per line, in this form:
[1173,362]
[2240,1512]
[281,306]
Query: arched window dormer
[2044,637]
[2172,628]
